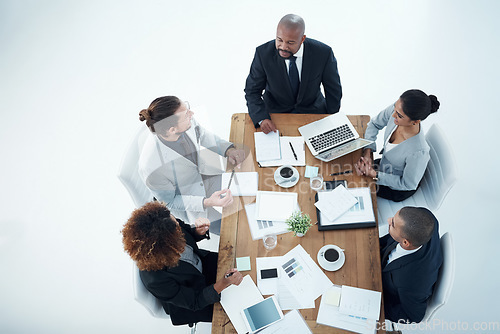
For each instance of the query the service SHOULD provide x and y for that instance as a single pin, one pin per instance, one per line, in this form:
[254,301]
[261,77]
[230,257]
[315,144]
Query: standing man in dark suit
[291,69]
[411,258]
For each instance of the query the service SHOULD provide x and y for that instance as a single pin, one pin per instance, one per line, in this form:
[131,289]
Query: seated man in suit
[291,69]
[411,258]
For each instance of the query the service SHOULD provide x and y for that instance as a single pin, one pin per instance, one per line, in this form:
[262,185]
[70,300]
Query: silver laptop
[332,137]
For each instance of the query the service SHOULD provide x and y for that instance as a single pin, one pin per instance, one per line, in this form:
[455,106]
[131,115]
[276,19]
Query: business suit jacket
[176,180]
[409,280]
[268,72]
[403,166]
[183,290]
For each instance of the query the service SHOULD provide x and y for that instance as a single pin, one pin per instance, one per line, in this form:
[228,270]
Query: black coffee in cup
[286,172]
[331,255]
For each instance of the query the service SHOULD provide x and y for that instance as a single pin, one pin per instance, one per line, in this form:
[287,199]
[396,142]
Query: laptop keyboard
[331,138]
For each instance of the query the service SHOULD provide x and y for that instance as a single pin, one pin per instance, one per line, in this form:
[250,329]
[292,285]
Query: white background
[75,74]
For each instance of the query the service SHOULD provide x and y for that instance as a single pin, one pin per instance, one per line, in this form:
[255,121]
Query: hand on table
[267,126]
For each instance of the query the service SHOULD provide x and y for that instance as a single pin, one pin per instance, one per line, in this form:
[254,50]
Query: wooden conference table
[362,266]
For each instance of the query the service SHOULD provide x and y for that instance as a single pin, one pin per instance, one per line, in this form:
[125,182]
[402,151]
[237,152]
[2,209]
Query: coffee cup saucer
[286,183]
[327,265]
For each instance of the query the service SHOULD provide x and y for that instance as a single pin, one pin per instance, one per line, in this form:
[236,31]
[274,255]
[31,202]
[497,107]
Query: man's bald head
[293,22]
[290,35]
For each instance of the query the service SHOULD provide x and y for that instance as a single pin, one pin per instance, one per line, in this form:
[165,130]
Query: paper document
[235,298]
[360,302]
[330,315]
[287,300]
[361,212]
[260,228]
[287,156]
[268,286]
[293,323]
[243,184]
[275,205]
[274,286]
[302,276]
[267,147]
[336,202]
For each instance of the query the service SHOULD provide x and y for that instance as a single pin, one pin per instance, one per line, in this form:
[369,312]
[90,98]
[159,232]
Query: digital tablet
[262,314]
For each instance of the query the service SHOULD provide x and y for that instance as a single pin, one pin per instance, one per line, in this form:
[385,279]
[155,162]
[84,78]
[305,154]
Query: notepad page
[336,202]
[267,146]
[235,298]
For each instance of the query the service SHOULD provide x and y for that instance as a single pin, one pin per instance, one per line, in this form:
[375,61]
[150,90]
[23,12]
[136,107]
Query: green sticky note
[243,263]
[311,171]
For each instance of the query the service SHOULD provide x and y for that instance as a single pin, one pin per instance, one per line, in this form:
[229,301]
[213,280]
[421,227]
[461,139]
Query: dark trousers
[209,265]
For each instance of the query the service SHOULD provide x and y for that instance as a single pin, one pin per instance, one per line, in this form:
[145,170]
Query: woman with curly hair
[172,267]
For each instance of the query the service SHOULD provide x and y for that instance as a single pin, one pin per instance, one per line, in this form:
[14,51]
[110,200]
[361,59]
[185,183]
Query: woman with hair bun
[405,153]
[172,167]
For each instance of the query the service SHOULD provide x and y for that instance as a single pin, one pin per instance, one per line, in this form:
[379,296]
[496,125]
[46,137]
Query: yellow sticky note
[332,296]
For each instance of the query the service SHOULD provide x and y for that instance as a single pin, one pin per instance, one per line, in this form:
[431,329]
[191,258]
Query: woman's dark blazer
[183,290]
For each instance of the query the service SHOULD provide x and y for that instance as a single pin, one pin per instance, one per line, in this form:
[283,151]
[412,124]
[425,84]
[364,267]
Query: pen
[341,173]
[293,151]
[230,179]
[229,275]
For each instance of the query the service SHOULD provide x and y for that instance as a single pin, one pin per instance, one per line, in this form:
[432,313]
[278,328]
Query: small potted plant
[299,223]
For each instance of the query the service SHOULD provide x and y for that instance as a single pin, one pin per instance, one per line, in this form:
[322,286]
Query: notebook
[332,137]
[359,216]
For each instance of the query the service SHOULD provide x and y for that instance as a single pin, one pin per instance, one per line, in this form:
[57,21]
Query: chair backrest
[129,169]
[146,298]
[446,276]
[441,173]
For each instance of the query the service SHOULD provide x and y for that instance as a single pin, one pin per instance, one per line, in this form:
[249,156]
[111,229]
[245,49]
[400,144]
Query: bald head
[293,22]
[290,35]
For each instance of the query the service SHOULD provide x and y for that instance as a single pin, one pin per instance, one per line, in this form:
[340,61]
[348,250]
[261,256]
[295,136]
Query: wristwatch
[376,177]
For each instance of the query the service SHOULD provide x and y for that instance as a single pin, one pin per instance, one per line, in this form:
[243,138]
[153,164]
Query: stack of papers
[276,286]
[292,323]
[267,147]
[302,276]
[358,311]
[235,298]
[243,184]
[338,201]
[359,215]
[287,157]
[261,228]
[275,205]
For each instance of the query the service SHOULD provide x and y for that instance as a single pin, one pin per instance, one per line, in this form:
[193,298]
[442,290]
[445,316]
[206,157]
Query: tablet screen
[262,314]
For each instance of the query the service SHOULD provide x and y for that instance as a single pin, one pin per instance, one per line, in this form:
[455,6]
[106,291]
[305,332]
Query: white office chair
[146,298]
[446,276]
[440,176]
[154,307]
[129,176]
[129,169]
